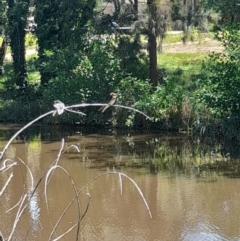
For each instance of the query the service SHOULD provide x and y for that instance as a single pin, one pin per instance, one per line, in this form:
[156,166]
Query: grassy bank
[184,61]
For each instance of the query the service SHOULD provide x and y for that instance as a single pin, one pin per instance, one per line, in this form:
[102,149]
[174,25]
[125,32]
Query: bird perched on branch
[111,102]
[59,106]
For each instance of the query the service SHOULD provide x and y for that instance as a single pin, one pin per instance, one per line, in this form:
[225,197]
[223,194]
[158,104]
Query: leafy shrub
[221,81]
[94,78]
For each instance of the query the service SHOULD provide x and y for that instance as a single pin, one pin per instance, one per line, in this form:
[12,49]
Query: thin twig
[89,199]
[75,147]
[8,166]
[21,130]
[1,236]
[69,230]
[17,216]
[120,181]
[49,179]
[55,165]
[100,104]
[140,192]
[7,182]
[76,195]
[63,107]
[119,173]
[30,172]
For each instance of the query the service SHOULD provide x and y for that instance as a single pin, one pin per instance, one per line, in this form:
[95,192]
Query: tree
[161,28]
[17,19]
[3,27]
[190,13]
[152,42]
[220,84]
[229,10]
[61,27]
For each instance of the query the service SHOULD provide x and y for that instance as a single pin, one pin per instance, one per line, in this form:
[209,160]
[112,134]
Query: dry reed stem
[30,172]
[48,174]
[120,183]
[19,213]
[129,178]
[76,193]
[7,182]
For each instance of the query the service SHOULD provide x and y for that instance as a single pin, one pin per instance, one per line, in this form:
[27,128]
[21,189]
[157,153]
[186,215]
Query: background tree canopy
[61,34]
[85,51]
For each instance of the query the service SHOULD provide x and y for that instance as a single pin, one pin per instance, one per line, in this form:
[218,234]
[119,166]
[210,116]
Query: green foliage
[176,9]
[61,35]
[190,13]
[3,16]
[17,19]
[30,41]
[96,75]
[164,105]
[133,61]
[228,9]
[19,111]
[221,83]
[167,99]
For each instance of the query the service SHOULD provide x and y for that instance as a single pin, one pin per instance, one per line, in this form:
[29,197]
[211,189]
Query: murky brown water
[186,184]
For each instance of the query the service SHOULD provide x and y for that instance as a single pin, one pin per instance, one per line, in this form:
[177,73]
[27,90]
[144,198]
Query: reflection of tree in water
[182,155]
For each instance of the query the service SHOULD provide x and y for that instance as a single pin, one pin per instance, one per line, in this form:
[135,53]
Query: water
[191,187]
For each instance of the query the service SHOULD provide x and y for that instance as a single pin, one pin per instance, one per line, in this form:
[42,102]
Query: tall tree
[3,27]
[229,10]
[190,13]
[17,12]
[152,41]
[61,25]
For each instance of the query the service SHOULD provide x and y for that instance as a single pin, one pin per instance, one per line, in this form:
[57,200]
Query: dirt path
[206,45]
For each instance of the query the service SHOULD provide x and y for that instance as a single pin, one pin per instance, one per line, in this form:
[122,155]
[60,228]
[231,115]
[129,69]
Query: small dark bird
[111,102]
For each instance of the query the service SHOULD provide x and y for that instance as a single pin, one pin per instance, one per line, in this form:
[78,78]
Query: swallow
[110,103]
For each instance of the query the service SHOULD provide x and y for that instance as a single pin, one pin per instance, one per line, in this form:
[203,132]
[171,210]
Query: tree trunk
[160,45]
[17,19]
[135,6]
[152,43]
[184,21]
[17,43]
[3,50]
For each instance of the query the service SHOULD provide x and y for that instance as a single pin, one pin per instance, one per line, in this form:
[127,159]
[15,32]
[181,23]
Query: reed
[24,200]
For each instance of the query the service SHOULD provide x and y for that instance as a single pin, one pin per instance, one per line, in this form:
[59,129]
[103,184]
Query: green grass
[173,38]
[33,74]
[30,42]
[188,63]
[184,61]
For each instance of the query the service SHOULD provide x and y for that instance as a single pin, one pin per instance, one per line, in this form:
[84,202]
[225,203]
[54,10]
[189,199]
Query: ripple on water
[202,231]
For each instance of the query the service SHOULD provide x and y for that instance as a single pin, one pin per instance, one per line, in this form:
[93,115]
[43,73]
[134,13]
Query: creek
[192,186]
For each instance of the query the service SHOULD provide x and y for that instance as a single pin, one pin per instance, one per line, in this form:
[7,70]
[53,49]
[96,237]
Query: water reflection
[202,232]
[185,182]
[33,158]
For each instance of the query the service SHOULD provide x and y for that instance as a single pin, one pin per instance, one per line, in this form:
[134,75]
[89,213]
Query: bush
[220,84]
